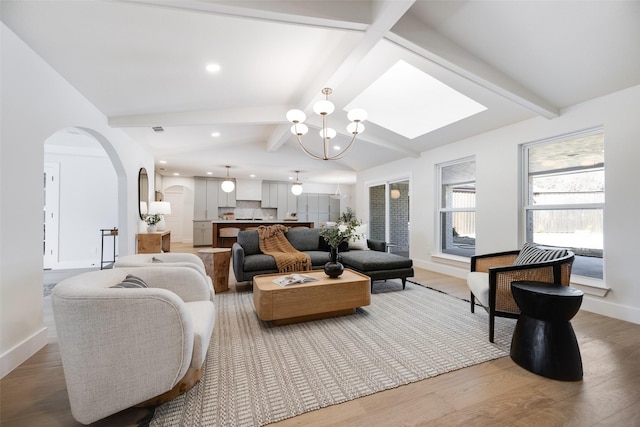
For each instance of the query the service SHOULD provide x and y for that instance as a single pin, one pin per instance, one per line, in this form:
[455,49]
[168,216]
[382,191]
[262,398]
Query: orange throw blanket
[273,242]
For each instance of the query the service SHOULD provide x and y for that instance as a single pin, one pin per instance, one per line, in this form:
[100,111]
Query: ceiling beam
[255,10]
[250,115]
[387,14]
[416,37]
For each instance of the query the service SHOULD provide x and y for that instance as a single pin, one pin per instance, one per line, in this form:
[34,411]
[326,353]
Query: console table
[153,243]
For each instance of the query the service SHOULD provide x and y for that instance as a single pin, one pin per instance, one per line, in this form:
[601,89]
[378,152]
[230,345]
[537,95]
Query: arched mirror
[143,192]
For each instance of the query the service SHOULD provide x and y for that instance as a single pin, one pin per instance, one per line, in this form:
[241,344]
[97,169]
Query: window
[564,203]
[457,207]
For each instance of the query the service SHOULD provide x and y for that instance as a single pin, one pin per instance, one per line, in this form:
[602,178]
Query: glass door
[389,215]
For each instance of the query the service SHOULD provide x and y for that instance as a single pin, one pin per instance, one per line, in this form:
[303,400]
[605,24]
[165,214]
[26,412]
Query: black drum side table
[544,341]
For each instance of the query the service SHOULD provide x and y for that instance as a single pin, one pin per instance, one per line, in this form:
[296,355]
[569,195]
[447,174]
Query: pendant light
[296,188]
[228,185]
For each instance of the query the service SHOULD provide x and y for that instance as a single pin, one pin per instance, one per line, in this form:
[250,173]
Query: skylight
[412,103]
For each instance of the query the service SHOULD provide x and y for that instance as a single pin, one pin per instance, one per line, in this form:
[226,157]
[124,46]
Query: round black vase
[333,268]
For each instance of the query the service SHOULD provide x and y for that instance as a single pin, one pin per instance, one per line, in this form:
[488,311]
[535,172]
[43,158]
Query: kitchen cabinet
[226,200]
[202,233]
[269,195]
[319,208]
[205,198]
[287,202]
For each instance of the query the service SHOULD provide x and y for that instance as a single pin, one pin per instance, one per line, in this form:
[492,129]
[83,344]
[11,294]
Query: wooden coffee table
[310,301]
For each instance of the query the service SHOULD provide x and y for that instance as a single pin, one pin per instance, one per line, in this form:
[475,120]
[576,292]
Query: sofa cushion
[318,258]
[533,254]
[260,262]
[250,242]
[374,260]
[304,239]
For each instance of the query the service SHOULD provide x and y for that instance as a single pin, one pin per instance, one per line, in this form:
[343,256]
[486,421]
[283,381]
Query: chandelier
[324,108]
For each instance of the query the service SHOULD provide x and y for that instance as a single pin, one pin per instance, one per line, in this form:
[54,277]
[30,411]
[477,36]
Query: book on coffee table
[293,279]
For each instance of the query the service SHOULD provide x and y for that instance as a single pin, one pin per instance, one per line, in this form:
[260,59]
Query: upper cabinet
[205,198]
[226,200]
[278,195]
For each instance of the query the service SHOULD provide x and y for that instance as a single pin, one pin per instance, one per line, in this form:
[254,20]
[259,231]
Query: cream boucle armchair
[122,347]
[166,260]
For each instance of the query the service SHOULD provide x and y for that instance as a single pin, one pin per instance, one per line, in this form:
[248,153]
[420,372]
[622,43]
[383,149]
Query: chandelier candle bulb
[355,128]
[324,107]
[299,129]
[296,116]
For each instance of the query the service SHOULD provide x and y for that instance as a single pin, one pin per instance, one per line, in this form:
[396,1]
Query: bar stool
[544,341]
[227,233]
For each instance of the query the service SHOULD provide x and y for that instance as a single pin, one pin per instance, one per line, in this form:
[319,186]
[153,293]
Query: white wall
[36,102]
[497,182]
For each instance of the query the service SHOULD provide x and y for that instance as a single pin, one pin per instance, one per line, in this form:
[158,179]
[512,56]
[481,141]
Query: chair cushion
[478,283]
[533,254]
[204,318]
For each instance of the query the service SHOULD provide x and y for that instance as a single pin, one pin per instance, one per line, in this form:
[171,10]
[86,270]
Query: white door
[175,196]
[51,191]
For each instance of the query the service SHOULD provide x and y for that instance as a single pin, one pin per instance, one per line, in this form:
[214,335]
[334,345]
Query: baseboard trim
[21,352]
[617,311]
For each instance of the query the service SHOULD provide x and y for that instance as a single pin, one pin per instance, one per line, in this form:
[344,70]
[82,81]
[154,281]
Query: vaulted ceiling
[142,63]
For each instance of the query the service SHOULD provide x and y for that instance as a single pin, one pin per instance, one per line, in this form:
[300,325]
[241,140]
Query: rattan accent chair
[491,276]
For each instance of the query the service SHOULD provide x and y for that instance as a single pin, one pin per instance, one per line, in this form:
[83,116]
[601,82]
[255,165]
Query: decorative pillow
[131,281]
[532,254]
[360,243]
[154,259]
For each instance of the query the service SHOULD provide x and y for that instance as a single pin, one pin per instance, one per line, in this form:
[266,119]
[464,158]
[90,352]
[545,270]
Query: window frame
[527,207]
[440,210]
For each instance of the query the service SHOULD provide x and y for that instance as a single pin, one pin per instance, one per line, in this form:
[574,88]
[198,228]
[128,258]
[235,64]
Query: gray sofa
[249,261]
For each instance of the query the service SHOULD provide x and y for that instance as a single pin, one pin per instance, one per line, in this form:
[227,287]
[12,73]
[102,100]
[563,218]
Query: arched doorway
[82,195]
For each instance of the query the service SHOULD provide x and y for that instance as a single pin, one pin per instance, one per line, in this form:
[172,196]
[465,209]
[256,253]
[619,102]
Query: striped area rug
[257,374]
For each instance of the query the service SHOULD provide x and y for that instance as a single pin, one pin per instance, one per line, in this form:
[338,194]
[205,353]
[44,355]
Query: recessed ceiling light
[253,175]
[290,177]
[209,173]
[162,162]
[176,174]
[215,134]
[213,68]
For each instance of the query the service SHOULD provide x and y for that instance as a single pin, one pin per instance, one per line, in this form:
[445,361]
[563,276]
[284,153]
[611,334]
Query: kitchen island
[227,242]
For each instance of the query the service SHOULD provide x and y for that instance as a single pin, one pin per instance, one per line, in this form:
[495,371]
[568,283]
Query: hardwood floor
[496,393]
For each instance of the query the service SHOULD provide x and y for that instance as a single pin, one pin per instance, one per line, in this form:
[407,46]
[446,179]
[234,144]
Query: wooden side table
[216,262]
[154,243]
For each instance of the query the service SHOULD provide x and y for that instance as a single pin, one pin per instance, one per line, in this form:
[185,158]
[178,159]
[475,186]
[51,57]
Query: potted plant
[152,221]
[343,231]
